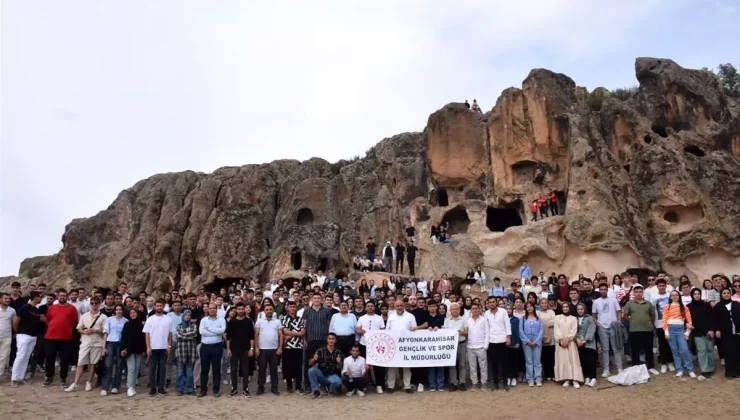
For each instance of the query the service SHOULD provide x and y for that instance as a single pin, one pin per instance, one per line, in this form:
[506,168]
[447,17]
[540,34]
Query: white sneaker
[73,369]
[538,384]
[225,382]
[566,384]
[654,372]
[420,388]
[379,389]
[605,374]
[692,375]
[702,378]
[679,374]
[513,382]
[592,384]
[530,383]
[722,362]
[88,386]
[114,391]
[671,367]
[71,388]
[432,390]
[103,393]
[360,393]
[131,392]
[351,393]
[576,385]
[664,369]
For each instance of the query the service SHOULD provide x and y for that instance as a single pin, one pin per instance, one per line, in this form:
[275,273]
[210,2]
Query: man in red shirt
[61,319]
[542,204]
[533,209]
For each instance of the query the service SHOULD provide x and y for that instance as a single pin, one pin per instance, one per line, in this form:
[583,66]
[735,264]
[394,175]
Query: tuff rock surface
[651,182]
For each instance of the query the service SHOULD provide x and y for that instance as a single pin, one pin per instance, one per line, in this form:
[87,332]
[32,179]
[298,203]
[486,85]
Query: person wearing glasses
[91,329]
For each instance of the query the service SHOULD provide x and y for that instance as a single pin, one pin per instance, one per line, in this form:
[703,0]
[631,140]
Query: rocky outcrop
[650,182]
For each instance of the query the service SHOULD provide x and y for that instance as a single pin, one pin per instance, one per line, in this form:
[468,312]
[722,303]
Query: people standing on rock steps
[400,251]
[553,198]
[389,255]
[411,256]
[542,205]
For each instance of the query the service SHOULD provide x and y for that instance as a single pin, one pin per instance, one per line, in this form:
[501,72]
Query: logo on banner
[381,348]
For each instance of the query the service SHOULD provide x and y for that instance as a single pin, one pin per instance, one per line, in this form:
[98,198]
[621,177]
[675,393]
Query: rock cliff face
[651,182]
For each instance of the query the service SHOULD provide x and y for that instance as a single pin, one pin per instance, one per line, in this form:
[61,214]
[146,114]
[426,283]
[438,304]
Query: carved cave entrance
[500,219]
[642,274]
[217,283]
[442,199]
[458,220]
[296,260]
[290,281]
[305,217]
[323,264]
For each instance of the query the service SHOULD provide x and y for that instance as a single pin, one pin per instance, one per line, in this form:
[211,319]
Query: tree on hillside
[729,76]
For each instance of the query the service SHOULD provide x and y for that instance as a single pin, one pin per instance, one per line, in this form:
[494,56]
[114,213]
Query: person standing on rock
[542,205]
[476,108]
[400,251]
[525,272]
[411,256]
[553,203]
[371,246]
[389,255]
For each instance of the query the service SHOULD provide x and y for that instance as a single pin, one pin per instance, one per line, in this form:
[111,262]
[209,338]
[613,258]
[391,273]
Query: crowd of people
[542,328]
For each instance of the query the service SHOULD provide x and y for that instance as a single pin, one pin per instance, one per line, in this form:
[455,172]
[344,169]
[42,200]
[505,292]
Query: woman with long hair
[677,326]
[532,298]
[531,333]
[469,279]
[363,286]
[709,294]
[547,316]
[187,334]
[616,284]
[467,303]
[586,341]
[167,301]
[703,332]
[444,286]
[736,288]
[133,348]
[480,277]
[391,285]
[727,326]
[112,350]
[567,365]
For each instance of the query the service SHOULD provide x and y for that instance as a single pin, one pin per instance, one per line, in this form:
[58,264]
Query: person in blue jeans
[530,334]
[677,334]
[435,321]
[185,353]
[514,348]
[326,364]
[112,350]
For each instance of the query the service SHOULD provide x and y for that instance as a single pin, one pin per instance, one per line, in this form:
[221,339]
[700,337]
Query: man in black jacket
[411,256]
[239,348]
[400,251]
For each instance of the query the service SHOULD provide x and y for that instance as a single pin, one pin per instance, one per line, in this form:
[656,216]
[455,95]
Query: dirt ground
[682,398]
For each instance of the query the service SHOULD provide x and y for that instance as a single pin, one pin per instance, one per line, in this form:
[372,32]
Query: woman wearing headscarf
[567,365]
[702,317]
[133,347]
[185,353]
[586,341]
[727,326]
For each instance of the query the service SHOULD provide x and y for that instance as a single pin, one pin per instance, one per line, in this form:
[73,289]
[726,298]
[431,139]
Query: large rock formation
[651,182]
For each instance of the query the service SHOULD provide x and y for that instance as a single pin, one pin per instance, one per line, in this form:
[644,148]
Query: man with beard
[240,347]
[400,321]
[588,295]
[368,322]
[27,325]
[417,309]
[158,334]
[294,329]
[61,320]
[344,326]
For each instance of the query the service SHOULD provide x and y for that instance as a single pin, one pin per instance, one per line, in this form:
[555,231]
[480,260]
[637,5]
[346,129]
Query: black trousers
[356,383]
[210,361]
[158,368]
[512,368]
[268,359]
[239,365]
[292,367]
[411,266]
[554,209]
[665,355]
[63,349]
[642,340]
[588,362]
[731,344]
[344,344]
[75,351]
[399,265]
[311,348]
[498,359]
[548,362]
[379,371]
[419,376]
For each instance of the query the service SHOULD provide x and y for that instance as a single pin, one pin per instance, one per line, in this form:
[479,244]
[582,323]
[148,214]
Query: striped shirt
[293,324]
[672,312]
[317,323]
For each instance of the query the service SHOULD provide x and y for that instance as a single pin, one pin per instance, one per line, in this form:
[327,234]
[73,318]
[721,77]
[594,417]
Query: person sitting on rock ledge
[378,264]
[366,265]
[476,108]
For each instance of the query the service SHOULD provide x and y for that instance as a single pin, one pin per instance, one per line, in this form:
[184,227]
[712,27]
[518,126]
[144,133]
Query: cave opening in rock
[627,168]
[458,220]
[671,217]
[500,219]
[442,200]
[217,283]
[289,282]
[305,217]
[323,264]
[659,130]
[641,273]
[648,139]
[694,150]
[296,259]
[524,171]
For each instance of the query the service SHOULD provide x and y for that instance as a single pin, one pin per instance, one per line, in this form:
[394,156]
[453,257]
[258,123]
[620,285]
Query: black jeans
[292,367]
[512,368]
[157,369]
[239,364]
[345,343]
[588,362]
[399,265]
[554,209]
[548,362]
[210,359]
[411,266]
[665,355]
[311,348]
[63,349]
[268,357]
[356,383]
[498,359]
[731,344]
[642,340]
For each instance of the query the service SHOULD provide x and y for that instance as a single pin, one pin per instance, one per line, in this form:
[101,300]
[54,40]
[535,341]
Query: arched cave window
[305,216]
[442,200]
[296,259]
[458,220]
[659,130]
[694,150]
[671,217]
[289,282]
[323,264]
[500,219]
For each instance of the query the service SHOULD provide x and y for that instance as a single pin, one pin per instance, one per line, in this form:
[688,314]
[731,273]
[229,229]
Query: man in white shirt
[499,337]
[321,279]
[400,321]
[368,322]
[268,346]
[478,341]
[158,334]
[7,315]
[354,371]
[606,311]
[458,373]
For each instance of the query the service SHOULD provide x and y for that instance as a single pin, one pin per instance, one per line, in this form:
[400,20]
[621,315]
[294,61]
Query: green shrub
[624,93]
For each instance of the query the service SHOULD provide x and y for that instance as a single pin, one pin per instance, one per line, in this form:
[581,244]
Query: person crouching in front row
[353,372]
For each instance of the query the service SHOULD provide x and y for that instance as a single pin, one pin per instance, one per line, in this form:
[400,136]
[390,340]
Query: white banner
[423,348]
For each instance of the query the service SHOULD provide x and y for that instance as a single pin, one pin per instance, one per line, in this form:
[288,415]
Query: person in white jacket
[480,277]
[389,255]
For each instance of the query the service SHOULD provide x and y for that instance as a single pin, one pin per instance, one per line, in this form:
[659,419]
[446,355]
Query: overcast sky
[97,95]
